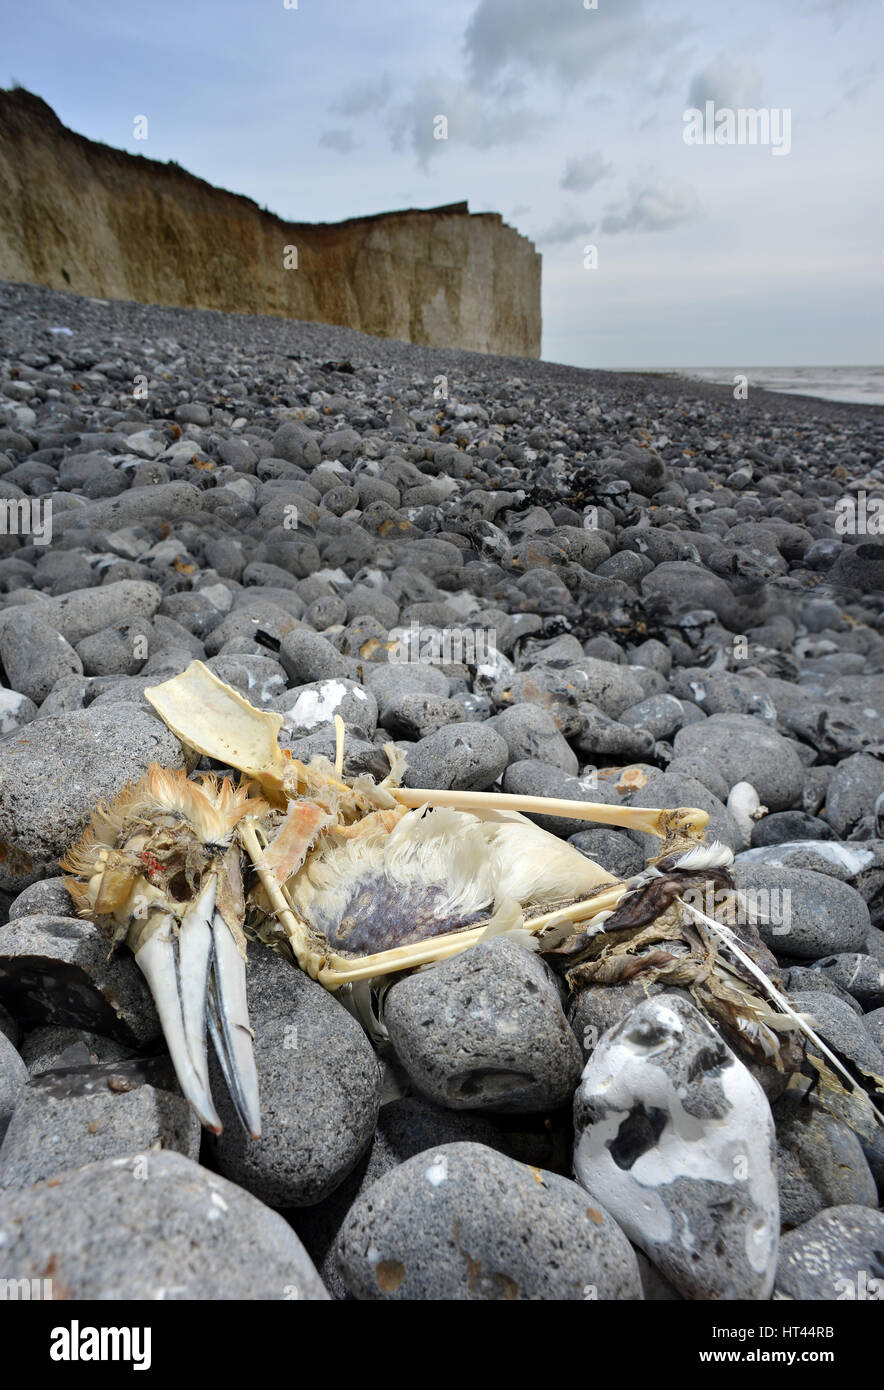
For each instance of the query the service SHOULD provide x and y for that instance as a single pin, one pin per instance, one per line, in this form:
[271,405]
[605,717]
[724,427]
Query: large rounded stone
[406,1127]
[854,787]
[461,1222]
[675,1138]
[35,656]
[820,1163]
[462,757]
[319,1086]
[862,977]
[802,914]
[313,707]
[59,970]
[150,1226]
[485,1031]
[83,611]
[744,749]
[54,772]
[530,732]
[840,1027]
[836,1256]
[68,1118]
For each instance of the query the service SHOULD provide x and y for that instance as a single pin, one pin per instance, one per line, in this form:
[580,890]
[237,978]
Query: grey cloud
[728,82]
[558,37]
[340,140]
[366,97]
[860,78]
[583,173]
[472,120]
[656,206]
[569,227]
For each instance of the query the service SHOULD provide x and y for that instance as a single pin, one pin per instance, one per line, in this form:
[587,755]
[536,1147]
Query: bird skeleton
[359,880]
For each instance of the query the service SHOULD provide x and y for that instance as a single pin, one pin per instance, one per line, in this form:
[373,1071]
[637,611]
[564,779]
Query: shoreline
[364,347]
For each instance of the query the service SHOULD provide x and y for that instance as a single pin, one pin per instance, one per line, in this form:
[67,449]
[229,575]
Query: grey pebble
[744,749]
[461,1222]
[611,687]
[406,1126]
[319,1086]
[460,757]
[874,1023]
[820,1163]
[659,715]
[80,613]
[804,915]
[15,710]
[313,706]
[48,896]
[836,1256]
[860,975]
[595,1009]
[120,650]
[135,507]
[854,787]
[35,656]
[485,1031]
[530,733]
[13,1079]
[67,1119]
[415,715]
[703,772]
[218,1243]
[611,849]
[809,980]
[390,680]
[58,970]
[307,657]
[839,1026]
[603,739]
[51,1045]
[52,779]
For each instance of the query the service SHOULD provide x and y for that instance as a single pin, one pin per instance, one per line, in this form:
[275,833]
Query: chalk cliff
[81,216]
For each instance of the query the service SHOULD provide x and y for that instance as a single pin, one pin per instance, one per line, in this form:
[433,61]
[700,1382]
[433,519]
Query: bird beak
[197,976]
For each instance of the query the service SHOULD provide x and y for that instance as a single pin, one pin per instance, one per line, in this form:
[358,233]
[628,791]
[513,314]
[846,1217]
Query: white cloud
[656,206]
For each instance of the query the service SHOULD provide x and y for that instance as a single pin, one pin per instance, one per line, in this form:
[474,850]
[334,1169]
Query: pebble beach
[629,589]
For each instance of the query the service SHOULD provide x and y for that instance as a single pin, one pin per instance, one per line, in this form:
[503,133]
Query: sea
[858,385]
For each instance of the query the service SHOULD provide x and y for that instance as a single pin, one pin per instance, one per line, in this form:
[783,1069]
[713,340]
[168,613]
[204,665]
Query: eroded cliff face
[81,216]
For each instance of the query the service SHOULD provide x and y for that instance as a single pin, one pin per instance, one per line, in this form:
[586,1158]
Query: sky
[568,117]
